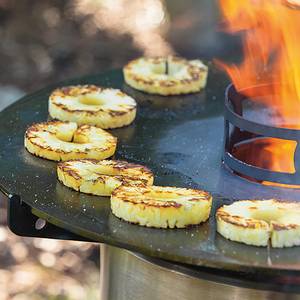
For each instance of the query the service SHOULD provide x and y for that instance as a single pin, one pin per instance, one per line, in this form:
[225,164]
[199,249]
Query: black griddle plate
[180,139]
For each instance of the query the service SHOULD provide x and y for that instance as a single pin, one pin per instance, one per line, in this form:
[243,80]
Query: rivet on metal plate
[40,224]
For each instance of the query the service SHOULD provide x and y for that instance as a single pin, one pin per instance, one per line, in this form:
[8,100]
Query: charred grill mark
[138,78]
[279,227]
[69,171]
[97,111]
[36,127]
[61,106]
[74,111]
[150,202]
[241,222]
[204,198]
[47,147]
[91,160]
[99,179]
[65,90]
[167,83]
[115,113]
[75,90]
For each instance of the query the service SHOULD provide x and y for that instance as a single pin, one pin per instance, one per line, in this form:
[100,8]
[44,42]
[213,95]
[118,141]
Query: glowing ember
[261,151]
[270,30]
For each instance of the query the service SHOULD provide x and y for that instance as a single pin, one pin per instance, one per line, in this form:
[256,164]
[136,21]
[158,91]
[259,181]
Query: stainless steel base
[128,276]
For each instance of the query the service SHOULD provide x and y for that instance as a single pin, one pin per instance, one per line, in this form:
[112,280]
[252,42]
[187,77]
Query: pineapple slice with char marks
[102,177]
[256,222]
[93,105]
[166,75]
[56,140]
[161,207]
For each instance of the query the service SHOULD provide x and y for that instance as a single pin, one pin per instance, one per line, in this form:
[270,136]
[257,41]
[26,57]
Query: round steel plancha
[181,139]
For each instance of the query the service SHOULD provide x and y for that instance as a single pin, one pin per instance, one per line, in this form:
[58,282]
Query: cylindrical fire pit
[128,275]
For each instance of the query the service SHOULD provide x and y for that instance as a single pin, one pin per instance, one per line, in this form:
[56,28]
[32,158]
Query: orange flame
[271,51]
[270,31]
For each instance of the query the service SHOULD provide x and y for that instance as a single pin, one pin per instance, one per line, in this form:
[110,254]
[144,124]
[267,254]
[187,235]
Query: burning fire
[270,31]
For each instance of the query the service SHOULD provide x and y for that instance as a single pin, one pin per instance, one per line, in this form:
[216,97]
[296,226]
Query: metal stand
[126,275]
[21,221]
[246,130]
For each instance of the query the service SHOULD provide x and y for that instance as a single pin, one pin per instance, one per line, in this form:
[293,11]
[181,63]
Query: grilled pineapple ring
[92,105]
[255,222]
[101,177]
[58,140]
[166,75]
[161,207]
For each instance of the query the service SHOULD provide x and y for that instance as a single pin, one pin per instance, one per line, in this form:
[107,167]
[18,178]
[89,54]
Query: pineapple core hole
[69,136]
[90,100]
[66,137]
